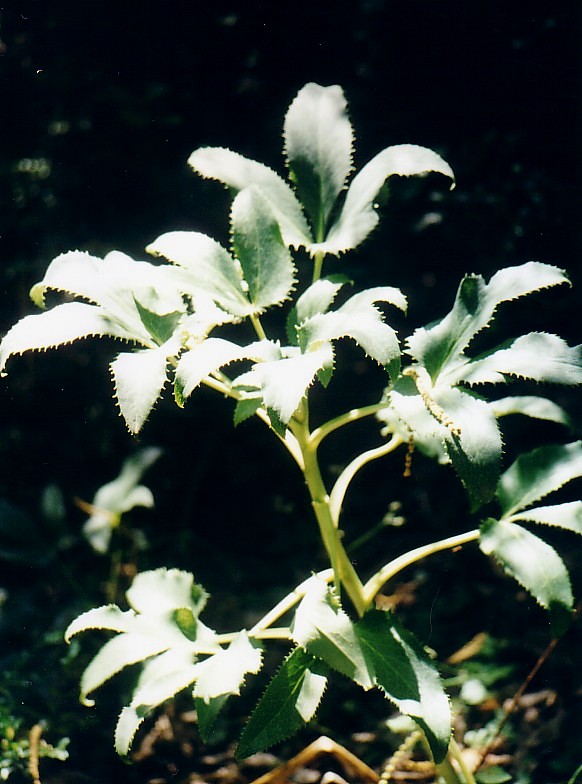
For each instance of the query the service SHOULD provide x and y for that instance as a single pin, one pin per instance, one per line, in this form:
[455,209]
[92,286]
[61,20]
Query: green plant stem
[340,488]
[445,770]
[258,327]
[317,266]
[343,569]
[455,752]
[288,602]
[375,583]
[350,416]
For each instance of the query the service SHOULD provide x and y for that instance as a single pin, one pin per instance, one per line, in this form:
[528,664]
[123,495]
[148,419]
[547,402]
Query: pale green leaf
[61,325]
[128,724]
[120,652]
[534,564]
[239,173]
[107,617]
[322,627]
[538,473]
[359,216]
[225,672]
[473,442]
[212,355]
[210,268]
[537,356]
[139,379]
[531,406]
[256,238]
[436,346]
[317,298]
[163,590]
[407,676]
[289,702]
[284,382]
[359,319]
[318,146]
[567,515]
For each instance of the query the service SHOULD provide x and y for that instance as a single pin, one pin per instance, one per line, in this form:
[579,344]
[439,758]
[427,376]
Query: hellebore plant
[438,401]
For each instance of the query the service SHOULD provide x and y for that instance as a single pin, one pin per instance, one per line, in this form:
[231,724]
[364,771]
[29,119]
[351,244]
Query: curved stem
[388,571]
[339,490]
[455,752]
[350,416]
[287,603]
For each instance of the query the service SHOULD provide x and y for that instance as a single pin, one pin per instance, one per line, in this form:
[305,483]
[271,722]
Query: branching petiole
[344,419]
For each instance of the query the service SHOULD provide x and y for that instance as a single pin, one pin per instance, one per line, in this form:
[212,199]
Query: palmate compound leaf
[444,343]
[266,263]
[289,702]
[238,173]
[464,423]
[358,216]
[318,147]
[375,651]
[359,319]
[534,564]
[283,382]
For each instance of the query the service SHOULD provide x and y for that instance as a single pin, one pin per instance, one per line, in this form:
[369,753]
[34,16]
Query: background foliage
[102,104]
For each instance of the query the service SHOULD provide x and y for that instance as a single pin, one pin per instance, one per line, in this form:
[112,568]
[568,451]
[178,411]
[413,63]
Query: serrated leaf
[534,564]
[538,473]
[358,216]
[161,591]
[473,443]
[537,356]
[160,327]
[139,379]
[108,617]
[246,408]
[475,305]
[567,516]
[225,672]
[128,724]
[289,702]
[210,268]
[318,146]
[284,382]
[205,358]
[324,630]
[61,325]
[531,406]
[317,298]
[117,653]
[256,238]
[207,713]
[238,172]
[359,319]
[407,676]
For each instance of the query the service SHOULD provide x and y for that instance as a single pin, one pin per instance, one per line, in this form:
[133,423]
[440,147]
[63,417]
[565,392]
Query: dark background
[100,106]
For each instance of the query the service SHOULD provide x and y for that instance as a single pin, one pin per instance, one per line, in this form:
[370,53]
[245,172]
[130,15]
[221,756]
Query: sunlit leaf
[163,590]
[536,356]
[289,702]
[534,564]
[359,216]
[139,379]
[59,326]
[210,268]
[238,172]
[531,406]
[323,628]
[475,305]
[317,298]
[107,617]
[256,238]
[318,146]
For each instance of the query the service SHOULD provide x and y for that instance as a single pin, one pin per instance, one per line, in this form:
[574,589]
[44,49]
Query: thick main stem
[343,568]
